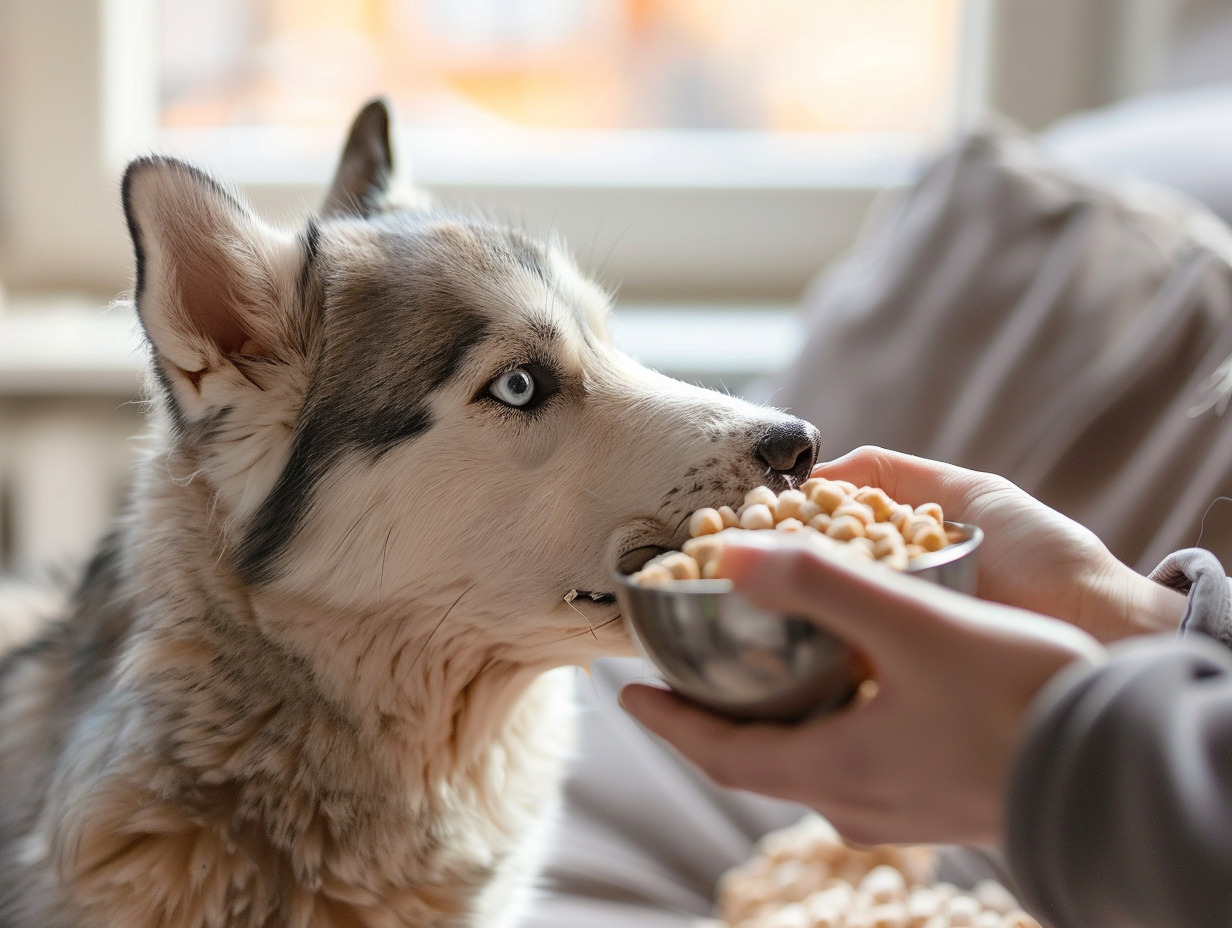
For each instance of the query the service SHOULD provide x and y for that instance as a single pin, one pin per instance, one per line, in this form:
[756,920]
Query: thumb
[874,609]
[907,478]
[890,617]
[760,756]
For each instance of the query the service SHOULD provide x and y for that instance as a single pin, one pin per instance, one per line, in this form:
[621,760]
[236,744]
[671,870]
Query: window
[679,145]
[778,65]
[532,116]
[547,113]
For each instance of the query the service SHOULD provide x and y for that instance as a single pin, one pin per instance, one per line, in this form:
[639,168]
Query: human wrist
[1121,603]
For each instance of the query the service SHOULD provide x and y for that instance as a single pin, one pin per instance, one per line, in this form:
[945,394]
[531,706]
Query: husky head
[416,423]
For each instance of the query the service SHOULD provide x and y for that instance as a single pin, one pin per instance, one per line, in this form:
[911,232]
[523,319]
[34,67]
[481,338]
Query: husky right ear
[361,183]
[215,284]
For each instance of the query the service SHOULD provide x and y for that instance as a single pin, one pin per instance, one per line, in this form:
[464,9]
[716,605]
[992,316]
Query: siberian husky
[310,679]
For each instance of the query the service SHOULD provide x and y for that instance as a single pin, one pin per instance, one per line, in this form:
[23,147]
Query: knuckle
[867,451]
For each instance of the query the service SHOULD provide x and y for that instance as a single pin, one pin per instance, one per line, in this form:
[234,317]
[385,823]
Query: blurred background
[705,159]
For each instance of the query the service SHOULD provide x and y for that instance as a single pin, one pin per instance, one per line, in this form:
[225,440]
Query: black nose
[789,449]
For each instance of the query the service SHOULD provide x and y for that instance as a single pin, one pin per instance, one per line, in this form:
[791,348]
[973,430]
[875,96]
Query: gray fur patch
[394,334]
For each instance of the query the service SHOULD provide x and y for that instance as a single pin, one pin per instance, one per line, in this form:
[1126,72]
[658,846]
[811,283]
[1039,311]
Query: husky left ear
[361,183]
[211,277]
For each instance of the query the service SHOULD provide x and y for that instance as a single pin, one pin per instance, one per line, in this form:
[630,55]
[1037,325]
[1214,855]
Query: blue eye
[514,388]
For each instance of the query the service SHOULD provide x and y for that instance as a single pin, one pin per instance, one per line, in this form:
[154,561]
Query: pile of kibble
[805,876]
[859,521]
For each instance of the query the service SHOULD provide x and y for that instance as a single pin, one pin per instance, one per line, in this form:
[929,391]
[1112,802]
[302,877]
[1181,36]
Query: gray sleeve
[1198,573]
[1119,809]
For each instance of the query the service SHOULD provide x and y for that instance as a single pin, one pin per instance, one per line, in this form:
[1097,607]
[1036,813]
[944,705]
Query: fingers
[890,618]
[907,478]
[843,766]
[736,755]
[880,467]
[878,611]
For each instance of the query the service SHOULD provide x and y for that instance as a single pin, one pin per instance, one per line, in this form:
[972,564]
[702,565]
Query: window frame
[650,217]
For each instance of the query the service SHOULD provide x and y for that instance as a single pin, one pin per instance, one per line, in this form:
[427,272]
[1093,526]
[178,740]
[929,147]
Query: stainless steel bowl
[715,648]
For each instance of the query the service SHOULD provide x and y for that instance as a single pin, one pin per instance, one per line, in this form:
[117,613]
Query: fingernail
[631,688]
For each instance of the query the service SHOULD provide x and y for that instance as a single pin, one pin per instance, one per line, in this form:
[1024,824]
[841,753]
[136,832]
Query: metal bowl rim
[946,555]
[950,553]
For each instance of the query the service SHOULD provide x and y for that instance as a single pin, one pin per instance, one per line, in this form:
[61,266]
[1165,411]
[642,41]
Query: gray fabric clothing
[1119,811]
[1198,572]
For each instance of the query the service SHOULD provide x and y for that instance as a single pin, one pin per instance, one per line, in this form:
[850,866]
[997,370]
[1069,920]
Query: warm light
[835,65]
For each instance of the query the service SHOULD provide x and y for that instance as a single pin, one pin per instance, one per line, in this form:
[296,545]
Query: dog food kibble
[757,516]
[705,550]
[706,522]
[866,522]
[681,566]
[805,876]
[763,496]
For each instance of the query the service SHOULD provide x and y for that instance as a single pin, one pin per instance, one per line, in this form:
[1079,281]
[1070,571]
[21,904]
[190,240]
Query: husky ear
[361,183]
[211,288]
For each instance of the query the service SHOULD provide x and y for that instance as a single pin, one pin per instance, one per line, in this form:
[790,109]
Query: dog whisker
[358,522]
[681,524]
[568,602]
[592,629]
[599,496]
[569,597]
[380,584]
[606,262]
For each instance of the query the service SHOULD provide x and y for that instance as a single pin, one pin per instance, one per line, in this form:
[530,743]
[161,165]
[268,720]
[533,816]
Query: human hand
[925,758]
[1032,557]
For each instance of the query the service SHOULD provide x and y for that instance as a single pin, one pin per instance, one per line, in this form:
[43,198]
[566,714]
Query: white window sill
[571,159]
[71,347]
[690,216]
[68,346]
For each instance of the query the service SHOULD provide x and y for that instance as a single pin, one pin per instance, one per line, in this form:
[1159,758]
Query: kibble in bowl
[717,649]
